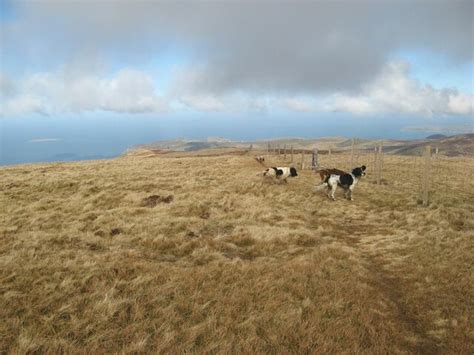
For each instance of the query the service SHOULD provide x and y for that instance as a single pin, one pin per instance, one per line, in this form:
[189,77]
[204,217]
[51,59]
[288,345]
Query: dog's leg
[329,189]
[351,188]
[348,194]
[333,192]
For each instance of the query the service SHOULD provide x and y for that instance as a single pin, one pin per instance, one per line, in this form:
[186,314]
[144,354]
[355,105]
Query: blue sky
[436,69]
[225,67]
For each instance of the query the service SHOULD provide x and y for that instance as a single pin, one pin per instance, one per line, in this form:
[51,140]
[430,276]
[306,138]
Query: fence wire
[447,180]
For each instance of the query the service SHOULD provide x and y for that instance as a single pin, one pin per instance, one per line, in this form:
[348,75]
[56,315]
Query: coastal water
[66,138]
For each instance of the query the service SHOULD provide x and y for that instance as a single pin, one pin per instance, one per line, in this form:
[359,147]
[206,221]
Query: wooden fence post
[284,152]
[426,175]
[374,169]
[291,154]
[314,159]
[268,148]
[379,163]
[278,150]
[329,152]
[302,159]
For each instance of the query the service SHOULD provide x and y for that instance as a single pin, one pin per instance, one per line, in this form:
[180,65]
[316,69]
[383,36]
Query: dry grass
[219,261]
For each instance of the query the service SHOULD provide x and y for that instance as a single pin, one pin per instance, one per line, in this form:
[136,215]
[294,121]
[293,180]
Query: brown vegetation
[226,262]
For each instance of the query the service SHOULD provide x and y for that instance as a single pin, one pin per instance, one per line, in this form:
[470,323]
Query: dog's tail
[321,187]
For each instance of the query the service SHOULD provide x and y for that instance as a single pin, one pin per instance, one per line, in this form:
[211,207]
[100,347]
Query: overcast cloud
[307,56]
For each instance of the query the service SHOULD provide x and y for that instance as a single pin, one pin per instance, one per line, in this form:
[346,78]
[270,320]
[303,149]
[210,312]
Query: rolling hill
[457,145]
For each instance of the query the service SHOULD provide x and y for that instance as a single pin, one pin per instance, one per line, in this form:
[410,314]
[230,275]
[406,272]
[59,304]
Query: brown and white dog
[325,173]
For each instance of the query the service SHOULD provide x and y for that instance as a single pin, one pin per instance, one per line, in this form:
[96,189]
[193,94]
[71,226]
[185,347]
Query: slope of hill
[458,145]
[436,136]
[190,252]
[297,143]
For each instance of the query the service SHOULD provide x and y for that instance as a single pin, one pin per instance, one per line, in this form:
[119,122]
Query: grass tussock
[184,253]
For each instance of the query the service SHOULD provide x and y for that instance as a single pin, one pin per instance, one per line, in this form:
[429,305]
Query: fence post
[284,152]
[426,175]
[291,154]
[278,150]
[302,159]
[314,159]
[379,163]
[375,162]
[436,153]
[268,148]
[329,152]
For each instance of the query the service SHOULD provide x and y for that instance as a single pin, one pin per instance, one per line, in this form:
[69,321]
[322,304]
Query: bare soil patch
[153,200]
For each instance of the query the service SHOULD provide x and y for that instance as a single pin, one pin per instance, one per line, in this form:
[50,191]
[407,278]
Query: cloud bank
[238,55]
[392,91]
[129,91]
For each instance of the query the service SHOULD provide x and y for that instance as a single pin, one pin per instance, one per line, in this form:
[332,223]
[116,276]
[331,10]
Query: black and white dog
[347,181]
[260,159]
[280,173]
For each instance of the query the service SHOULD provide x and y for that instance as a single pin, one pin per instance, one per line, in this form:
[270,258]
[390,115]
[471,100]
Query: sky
[90,78]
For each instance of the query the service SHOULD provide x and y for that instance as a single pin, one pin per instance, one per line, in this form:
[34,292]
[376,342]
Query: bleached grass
[232,263]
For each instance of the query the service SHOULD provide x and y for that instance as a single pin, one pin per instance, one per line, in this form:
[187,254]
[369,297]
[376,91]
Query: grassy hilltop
[194,252]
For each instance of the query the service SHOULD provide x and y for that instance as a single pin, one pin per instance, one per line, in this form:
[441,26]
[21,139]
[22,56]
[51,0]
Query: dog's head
[293,172]
[359,172]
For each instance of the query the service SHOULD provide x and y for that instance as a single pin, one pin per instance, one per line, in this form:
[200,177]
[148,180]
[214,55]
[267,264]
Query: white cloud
[461,103]
[128,91]
[23,104]
[203,103]
[299,104]
[393,91]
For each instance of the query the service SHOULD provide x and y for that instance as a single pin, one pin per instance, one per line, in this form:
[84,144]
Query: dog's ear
[293,172]
[363,167]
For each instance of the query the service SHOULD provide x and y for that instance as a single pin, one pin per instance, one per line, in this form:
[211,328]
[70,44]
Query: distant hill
[437,136]
[457,145]
[324,143]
